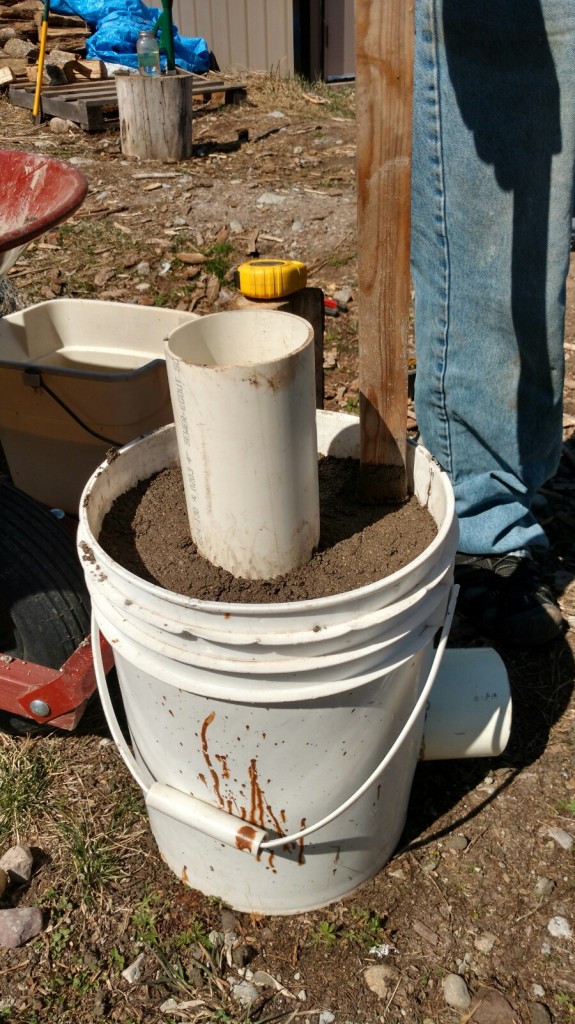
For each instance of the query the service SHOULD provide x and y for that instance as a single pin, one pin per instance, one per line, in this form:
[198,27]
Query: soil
[482,883]
[147,531]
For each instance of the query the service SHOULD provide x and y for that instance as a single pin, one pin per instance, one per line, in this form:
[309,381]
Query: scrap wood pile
[20,22]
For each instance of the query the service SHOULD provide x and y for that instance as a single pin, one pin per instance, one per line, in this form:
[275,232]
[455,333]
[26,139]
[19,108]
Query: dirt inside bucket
[147,532]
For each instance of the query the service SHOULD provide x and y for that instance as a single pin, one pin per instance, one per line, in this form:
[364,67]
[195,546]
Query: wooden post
[384,87]
[155,116]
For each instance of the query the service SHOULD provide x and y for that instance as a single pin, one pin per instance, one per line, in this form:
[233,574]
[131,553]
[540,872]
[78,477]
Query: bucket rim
[269,609]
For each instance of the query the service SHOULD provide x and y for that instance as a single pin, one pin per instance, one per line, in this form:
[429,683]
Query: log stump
[155,116]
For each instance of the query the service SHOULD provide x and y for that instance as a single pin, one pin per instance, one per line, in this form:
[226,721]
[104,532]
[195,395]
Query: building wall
[243,34]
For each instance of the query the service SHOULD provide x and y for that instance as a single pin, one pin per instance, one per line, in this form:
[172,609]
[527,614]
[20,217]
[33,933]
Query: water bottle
[148,53]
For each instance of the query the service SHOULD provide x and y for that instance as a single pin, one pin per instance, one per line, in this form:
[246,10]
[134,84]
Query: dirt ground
[481,885]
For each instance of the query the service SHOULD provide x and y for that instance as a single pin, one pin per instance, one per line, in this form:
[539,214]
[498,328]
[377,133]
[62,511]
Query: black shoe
[505,596]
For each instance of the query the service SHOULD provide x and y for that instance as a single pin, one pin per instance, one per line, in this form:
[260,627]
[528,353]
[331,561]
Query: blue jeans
[492,185]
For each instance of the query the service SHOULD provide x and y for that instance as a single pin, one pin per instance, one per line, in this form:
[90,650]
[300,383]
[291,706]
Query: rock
[4,882]
[103,276]
[143,268]
[490,1007]
[6,34]
[539,1013]
[270,199]
[265,980]
[18,925]
[457,843]
[133,973]
[561,837]
[544,886]
[297,226]
[61,125]
[16,47]
[326,1017]
[302,995]
[240,955]
[17,863]
[455,992]
[379,979]
[485,943]
[559,928]
[181,1008]
[245,993]
[343,295]
[236,227]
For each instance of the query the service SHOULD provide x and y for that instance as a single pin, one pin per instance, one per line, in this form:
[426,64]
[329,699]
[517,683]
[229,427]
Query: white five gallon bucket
[276,744]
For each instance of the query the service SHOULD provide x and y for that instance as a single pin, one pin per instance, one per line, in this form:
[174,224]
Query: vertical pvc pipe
[243,393]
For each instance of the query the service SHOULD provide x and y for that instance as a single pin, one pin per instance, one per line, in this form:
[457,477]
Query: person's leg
[493,169]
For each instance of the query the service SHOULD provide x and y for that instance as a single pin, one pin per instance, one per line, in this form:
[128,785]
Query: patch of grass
[145,920]
[341,261]
[352,405]
[567,807]
[196,933]
[128,807]
[291,94]
[117,960]
[326,934]
[366,928]
[92,853]
[219,259]
[27,768]
[169,299]
[566,1001]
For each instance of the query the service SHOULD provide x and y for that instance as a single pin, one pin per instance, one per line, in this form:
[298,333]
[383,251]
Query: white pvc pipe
[469,711]
[223,826]
[243,394]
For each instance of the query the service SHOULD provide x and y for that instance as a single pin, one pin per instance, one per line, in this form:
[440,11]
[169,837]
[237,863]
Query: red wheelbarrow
[36,193]
[46,670]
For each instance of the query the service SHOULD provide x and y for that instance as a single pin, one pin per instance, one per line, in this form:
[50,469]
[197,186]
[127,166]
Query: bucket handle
[410,721]
[214,821]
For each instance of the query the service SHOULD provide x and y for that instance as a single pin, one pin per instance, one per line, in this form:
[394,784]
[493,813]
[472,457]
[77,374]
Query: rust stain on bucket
[215,777]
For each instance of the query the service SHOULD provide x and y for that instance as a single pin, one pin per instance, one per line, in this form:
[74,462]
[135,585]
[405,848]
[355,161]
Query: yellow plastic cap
[270,278]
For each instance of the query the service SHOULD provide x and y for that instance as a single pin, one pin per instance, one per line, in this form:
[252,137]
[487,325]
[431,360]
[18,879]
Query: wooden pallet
[94,104]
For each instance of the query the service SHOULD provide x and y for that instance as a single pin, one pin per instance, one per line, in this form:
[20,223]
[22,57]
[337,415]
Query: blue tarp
[116,24]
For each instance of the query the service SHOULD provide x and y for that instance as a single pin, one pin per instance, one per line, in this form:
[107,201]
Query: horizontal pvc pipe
[212,821]
[469,712]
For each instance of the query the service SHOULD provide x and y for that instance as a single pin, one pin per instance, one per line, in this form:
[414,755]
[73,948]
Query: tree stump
[155,116]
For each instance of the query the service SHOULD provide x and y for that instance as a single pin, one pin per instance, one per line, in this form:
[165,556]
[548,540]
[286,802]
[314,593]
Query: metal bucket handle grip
[214,821]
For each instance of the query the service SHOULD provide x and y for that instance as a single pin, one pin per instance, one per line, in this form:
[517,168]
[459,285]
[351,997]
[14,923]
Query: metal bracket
[62,694]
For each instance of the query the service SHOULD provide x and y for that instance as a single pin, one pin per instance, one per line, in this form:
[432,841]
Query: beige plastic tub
[76,378]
